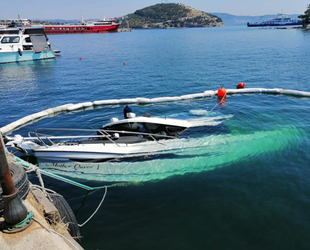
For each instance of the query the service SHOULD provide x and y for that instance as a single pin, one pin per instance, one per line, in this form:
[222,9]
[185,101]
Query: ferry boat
[100,26]
[24,44]
[280,20]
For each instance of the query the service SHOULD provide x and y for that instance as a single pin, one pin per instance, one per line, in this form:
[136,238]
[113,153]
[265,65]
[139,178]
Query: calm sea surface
[241,184]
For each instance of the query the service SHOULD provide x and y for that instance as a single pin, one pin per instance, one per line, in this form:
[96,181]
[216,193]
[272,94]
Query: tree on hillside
[305,17]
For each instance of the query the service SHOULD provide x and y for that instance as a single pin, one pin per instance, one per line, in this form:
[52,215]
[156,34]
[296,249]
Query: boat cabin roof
[25,30]
[154,120]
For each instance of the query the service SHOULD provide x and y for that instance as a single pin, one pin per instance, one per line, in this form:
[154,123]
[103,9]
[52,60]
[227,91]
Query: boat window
[9,31]
[39,42]
[155,128]
[12,39]
[152,126]
[130,126]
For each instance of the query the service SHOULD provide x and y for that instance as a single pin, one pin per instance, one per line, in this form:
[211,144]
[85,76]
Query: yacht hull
[8,57]
[95,152]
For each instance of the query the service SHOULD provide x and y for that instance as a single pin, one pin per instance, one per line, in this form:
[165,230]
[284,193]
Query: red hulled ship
[103,25]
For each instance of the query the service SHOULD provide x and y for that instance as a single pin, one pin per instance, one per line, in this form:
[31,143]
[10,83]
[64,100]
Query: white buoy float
[141,100]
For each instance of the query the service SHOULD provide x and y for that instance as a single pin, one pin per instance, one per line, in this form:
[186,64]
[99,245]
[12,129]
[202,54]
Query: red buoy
[124,63]
[241,85]
[221,92]
[221,95]
[80,58]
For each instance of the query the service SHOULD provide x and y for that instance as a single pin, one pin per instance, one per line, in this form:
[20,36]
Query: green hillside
[170,15]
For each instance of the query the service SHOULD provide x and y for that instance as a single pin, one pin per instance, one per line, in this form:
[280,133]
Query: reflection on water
[25,71]
[21,83]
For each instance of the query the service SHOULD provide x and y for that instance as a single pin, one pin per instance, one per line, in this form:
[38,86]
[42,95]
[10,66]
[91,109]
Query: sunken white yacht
[93,148]
[129,137]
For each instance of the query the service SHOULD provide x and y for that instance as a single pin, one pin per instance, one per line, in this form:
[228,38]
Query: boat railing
[153,136]
[47,140]
[106,134]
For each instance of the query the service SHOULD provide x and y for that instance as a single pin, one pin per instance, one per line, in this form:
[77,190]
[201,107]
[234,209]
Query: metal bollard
[14,210]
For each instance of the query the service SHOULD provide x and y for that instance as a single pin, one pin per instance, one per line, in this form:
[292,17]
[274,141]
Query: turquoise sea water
[242,184]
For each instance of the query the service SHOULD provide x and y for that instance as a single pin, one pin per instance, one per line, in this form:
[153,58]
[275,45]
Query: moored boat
[121,138]
[131,137]
[95,148]
[24,44]
[280,20]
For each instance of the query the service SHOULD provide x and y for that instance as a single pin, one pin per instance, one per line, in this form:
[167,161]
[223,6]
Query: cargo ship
[100,26]
[103,25]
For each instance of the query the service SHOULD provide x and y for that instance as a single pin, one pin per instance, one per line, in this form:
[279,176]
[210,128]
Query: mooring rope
[33,168]
[219,103]
[103,198]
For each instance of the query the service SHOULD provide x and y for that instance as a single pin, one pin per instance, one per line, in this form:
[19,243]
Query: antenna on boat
[82,18]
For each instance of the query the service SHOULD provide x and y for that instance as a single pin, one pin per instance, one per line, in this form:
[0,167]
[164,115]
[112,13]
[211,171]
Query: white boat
[24,44]
[94,148]
[280,20]
[130,137]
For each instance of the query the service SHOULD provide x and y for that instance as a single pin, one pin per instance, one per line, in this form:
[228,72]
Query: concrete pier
[37,236]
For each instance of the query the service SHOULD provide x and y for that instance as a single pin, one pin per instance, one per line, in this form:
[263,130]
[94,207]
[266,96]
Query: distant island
[169,15]
[232,20]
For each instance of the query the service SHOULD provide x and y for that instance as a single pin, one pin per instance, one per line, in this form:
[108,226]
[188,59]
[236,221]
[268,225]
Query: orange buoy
[221,95]
[221,92]
[241,85]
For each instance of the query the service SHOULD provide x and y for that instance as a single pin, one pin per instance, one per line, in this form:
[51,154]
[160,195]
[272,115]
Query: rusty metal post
[14,210]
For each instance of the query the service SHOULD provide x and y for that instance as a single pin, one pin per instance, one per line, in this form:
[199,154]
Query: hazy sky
[72,9]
